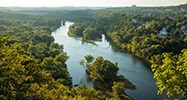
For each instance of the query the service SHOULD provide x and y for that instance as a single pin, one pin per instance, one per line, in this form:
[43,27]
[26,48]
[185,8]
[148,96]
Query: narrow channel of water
[131,67]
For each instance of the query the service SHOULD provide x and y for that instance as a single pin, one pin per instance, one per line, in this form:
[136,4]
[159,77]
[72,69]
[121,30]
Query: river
[131,67]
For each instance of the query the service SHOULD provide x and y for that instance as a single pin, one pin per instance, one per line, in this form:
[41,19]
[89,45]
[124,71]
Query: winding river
[131,67]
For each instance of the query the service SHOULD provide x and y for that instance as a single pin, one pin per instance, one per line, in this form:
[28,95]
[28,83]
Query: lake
[130,67]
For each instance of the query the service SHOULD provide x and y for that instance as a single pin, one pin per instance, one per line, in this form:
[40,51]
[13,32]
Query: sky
[89,3]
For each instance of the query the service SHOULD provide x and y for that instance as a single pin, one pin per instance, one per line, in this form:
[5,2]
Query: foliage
[76,30]
[33,66]
[137,30]
[103,70]
[86,31]
[17,71]
[118,89]
[57,67]
[171,75]
[105,78]
[89,93]
[100,69]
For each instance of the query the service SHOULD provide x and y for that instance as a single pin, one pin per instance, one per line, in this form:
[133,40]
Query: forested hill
[32,66]
[156,34]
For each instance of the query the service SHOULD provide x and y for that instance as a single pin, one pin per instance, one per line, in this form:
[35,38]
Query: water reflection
[130,67]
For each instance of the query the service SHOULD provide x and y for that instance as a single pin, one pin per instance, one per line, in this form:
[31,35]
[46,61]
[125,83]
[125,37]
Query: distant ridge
[17,8]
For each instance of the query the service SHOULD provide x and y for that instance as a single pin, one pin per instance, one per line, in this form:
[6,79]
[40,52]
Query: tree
[171,75]
[154,26]
[57,67]
[91,33]
[17,71]
[76,30]
[55,49]
[87,60]
[103,70]
[49,91]
[118,89]
[89,93]
[82,62]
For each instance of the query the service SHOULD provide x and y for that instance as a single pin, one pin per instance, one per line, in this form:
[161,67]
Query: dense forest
[32,66]
[158,35]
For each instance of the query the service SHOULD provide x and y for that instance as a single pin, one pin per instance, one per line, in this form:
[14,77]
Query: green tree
[55,49]
[50,91]
[154,26]
[17,71]
[118,89]
[91,33]
[57,67]
[103,70]
[89,93]
[87,60]
[76,30]
[171,75]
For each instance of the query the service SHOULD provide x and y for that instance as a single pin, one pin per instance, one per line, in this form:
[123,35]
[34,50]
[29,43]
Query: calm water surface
[129,66]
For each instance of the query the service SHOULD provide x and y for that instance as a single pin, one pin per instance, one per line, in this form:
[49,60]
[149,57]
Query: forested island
[33,66]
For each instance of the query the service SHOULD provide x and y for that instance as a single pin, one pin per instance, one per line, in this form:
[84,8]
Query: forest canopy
[32,66]
[149,33]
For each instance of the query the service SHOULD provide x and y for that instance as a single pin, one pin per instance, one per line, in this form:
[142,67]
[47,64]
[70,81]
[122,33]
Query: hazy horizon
[88,3]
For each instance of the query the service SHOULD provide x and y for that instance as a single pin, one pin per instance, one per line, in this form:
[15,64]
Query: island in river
[105,78]
[129,66]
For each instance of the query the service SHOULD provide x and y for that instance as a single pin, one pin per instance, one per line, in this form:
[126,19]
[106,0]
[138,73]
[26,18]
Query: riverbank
[106,88]
[104,75]
[130,67]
